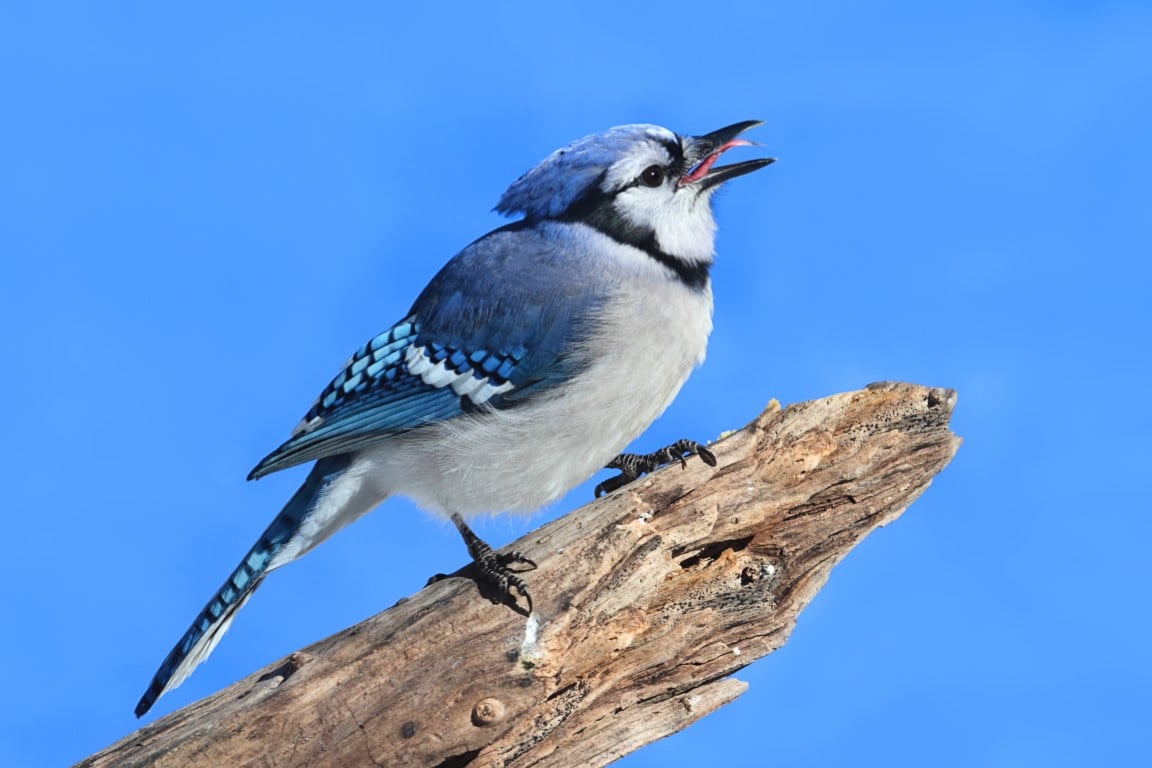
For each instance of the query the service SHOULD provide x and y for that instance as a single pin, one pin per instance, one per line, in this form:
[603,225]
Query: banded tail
[200,638]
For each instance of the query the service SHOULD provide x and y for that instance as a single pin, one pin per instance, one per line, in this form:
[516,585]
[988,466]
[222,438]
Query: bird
[527,364]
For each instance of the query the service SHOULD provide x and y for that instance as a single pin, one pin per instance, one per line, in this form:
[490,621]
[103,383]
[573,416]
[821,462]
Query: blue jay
[528,362]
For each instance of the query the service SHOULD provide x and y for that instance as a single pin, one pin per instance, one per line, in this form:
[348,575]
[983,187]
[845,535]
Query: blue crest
[567,174]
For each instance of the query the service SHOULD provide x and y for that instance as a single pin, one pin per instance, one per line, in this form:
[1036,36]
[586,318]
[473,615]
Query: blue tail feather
[210,625]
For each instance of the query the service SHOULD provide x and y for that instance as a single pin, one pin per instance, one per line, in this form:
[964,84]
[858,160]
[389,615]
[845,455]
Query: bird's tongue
[701,170]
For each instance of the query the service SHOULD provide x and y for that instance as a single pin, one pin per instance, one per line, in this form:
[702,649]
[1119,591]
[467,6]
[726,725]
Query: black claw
[493,566]
[633,465]
[706,455]
[612,484]
[496,571]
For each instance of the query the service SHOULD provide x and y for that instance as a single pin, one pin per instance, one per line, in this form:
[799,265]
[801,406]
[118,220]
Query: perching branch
[646,602]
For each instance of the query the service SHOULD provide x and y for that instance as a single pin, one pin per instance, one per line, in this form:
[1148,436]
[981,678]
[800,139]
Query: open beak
[702,152]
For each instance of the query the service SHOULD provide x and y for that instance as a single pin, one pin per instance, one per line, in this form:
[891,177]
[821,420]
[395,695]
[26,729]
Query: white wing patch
[466,383]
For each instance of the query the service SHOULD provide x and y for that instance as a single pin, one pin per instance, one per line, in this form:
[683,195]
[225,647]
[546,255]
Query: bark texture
[646,602]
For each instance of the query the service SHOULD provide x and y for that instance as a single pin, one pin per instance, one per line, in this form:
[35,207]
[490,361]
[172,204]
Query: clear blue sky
[203,211]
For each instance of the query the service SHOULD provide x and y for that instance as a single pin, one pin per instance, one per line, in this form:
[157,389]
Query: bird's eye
[653,176]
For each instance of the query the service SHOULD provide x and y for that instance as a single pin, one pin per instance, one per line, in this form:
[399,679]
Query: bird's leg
[493,565]
[632,465]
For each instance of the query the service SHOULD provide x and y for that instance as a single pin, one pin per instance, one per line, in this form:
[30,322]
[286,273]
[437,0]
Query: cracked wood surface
[646,602]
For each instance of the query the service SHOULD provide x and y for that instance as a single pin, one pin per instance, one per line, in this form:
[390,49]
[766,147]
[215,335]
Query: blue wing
[496,326]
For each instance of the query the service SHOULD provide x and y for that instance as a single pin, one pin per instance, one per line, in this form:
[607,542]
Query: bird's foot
[633,465]
[493,565]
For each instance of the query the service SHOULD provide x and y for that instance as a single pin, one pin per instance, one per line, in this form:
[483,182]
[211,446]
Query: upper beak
[701,153]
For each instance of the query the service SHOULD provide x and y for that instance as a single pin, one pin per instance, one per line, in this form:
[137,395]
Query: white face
[650,196]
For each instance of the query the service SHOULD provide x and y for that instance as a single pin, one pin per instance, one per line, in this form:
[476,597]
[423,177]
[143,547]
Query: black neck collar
[597,211]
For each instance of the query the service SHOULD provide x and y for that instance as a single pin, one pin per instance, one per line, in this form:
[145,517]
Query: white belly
[522,458]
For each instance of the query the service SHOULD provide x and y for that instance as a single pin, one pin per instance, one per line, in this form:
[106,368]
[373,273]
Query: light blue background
[204,210]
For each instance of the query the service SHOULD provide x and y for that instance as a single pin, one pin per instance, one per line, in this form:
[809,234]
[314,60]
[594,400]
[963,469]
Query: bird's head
[640,184]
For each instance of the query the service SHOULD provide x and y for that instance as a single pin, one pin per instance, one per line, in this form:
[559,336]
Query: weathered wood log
[646,602]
